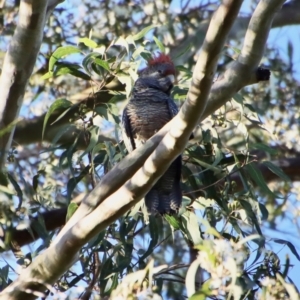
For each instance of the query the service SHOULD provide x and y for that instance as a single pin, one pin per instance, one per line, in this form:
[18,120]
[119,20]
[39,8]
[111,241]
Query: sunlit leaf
[71,210]
[190,278]
[191,227]
[293,294]
[88,42]
[174,222]
[60,53]
[159,45]
[122,42]
[143,32]
[102,63]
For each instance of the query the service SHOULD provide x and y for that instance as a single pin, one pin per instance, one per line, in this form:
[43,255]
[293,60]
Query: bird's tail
[165,197]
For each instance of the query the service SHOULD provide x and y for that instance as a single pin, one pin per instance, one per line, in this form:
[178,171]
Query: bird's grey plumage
[149,109]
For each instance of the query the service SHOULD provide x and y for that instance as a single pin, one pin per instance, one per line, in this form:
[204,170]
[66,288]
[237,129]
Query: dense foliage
[69,138]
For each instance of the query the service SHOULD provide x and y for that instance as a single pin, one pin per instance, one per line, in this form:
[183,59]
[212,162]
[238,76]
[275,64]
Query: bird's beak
[172,78]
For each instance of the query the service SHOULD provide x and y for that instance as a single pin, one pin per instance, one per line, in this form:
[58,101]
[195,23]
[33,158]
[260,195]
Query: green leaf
[47,75]
[122,42]
[106,270]
[6,190]
[111,151]
[190,278]
[92,60]
[238,98]
[260,250]
[89,43]
[264,212]
[143,32]
[263,147]
[141,51]
[291,290]
[250,107]
[187,72]
[35,182]
[154,233]
[250,214]
[74,281]
[96,240]
[174,222]
[4,273]
[102,63]
[74,181]
[276,170]
[193,182]
[236,50]
[40,228]
[61,52]
[289,244]
[16,187]
[58,104]
[101,111]
[191,227]
[154,229]
[71,210]
[204,292]
[258,178]
[159,44]
[94,132]
[186,49]
[62,70]
[62,130]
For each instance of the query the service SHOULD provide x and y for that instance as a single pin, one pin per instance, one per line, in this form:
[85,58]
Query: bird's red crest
[160,59]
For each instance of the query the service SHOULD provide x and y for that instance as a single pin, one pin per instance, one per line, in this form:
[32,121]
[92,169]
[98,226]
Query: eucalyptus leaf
[58,104]
[60,53]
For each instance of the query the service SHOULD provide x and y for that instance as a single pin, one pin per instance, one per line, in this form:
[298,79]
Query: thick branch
[248,60]
[288,15]
[18,65]
[35,125]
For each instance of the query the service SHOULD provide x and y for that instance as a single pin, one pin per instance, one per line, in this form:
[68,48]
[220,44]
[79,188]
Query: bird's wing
[127,132]
[173,109]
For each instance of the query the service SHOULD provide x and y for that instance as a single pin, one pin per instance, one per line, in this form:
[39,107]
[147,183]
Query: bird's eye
[159,71]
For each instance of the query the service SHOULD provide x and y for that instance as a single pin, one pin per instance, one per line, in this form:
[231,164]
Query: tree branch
[288,15]
[90,99]
[53,219]
[18,65]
